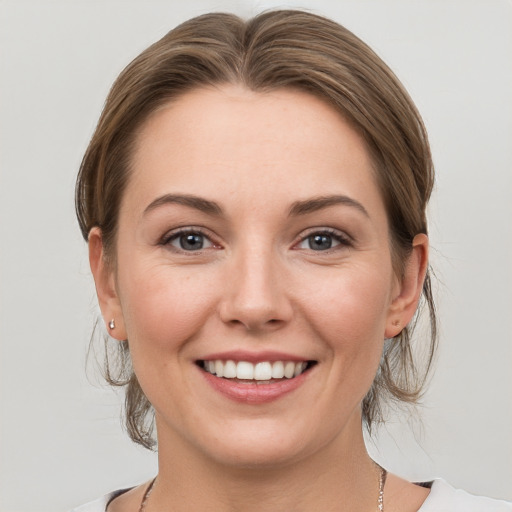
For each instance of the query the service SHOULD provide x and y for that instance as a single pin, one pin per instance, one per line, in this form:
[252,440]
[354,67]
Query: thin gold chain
[380,503]
[382,480]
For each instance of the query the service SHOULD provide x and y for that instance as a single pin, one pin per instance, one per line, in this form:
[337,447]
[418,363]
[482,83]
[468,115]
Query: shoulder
[444,498]
[100,505]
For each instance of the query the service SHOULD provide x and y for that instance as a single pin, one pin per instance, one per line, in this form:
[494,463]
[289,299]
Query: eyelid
[344,239]
[186,230]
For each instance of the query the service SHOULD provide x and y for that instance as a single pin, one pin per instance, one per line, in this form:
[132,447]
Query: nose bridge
[255,296]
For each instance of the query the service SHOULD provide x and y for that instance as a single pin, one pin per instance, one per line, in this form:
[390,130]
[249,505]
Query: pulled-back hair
[274,50]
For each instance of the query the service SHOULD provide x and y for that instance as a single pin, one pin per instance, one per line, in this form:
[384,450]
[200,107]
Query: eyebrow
[298,208]
[203,205]
[319,203]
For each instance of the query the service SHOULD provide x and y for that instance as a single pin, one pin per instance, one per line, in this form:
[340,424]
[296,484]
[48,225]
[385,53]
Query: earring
[396,323]
[112,324]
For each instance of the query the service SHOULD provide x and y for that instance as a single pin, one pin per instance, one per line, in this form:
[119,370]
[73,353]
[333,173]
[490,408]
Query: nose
[255,293]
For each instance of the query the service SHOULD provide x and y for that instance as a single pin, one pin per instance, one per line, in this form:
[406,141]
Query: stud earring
[112,324]
[396,323]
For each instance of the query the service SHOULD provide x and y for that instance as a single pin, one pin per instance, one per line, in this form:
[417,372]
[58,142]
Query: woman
[254,202]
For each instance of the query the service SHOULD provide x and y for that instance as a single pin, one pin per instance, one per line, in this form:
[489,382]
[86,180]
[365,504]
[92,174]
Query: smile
[261,372]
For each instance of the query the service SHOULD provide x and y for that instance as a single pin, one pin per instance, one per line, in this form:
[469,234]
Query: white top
[442,498]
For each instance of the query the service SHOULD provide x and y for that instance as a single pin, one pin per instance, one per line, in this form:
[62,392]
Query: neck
[339,477]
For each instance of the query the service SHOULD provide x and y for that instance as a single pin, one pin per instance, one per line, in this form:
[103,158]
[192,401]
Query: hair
[274,50]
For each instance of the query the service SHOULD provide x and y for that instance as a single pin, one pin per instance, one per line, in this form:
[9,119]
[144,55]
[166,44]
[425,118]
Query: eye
[189,241]
[323,241]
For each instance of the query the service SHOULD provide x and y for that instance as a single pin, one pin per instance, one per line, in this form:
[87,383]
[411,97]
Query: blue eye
[323,241]
[319,242]
[189,241]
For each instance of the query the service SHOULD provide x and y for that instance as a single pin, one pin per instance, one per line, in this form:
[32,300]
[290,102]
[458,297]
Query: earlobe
[404,305]
[104,280]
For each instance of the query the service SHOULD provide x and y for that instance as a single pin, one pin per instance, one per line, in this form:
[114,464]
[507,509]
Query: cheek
[352,305]
[349,313]
[350,317]
[163,307]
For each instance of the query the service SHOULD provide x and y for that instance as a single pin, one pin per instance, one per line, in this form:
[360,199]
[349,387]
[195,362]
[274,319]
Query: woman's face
[253,243]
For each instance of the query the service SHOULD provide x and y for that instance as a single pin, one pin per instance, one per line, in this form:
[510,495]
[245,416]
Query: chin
[265,443]
[259,453]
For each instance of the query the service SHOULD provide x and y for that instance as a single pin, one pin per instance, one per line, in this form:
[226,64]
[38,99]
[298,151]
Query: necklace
[382,480]
[380,503]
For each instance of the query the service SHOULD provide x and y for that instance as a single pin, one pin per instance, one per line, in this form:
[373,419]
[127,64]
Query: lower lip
[254,393]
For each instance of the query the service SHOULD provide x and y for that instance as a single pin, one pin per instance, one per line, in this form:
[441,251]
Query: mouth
[260,373]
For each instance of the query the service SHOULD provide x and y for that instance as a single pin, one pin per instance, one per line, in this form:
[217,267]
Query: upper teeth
[259,371]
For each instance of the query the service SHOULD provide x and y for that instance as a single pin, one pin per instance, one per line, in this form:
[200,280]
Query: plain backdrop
[60,436]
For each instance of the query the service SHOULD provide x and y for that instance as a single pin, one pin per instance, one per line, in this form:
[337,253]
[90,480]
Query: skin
[257,284]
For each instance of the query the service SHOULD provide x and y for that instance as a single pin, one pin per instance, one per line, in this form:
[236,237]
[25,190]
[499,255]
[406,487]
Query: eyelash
[342,239]
[176,235]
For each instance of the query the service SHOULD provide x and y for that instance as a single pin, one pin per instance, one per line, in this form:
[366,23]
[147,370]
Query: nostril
[253,325]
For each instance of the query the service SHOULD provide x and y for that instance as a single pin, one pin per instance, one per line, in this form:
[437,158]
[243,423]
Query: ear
[104,279]
[404,304]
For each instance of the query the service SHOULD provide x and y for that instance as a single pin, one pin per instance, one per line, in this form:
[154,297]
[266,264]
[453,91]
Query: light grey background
[60,437]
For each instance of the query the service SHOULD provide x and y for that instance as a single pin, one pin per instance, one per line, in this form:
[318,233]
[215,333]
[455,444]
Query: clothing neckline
[115,494]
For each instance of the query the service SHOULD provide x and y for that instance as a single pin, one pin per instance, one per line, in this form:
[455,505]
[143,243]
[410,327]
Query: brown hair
[276,49]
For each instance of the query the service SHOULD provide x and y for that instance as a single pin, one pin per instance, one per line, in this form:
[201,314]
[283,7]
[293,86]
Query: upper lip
[253,357]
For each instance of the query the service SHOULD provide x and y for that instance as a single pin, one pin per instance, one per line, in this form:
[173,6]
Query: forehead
[230,140]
